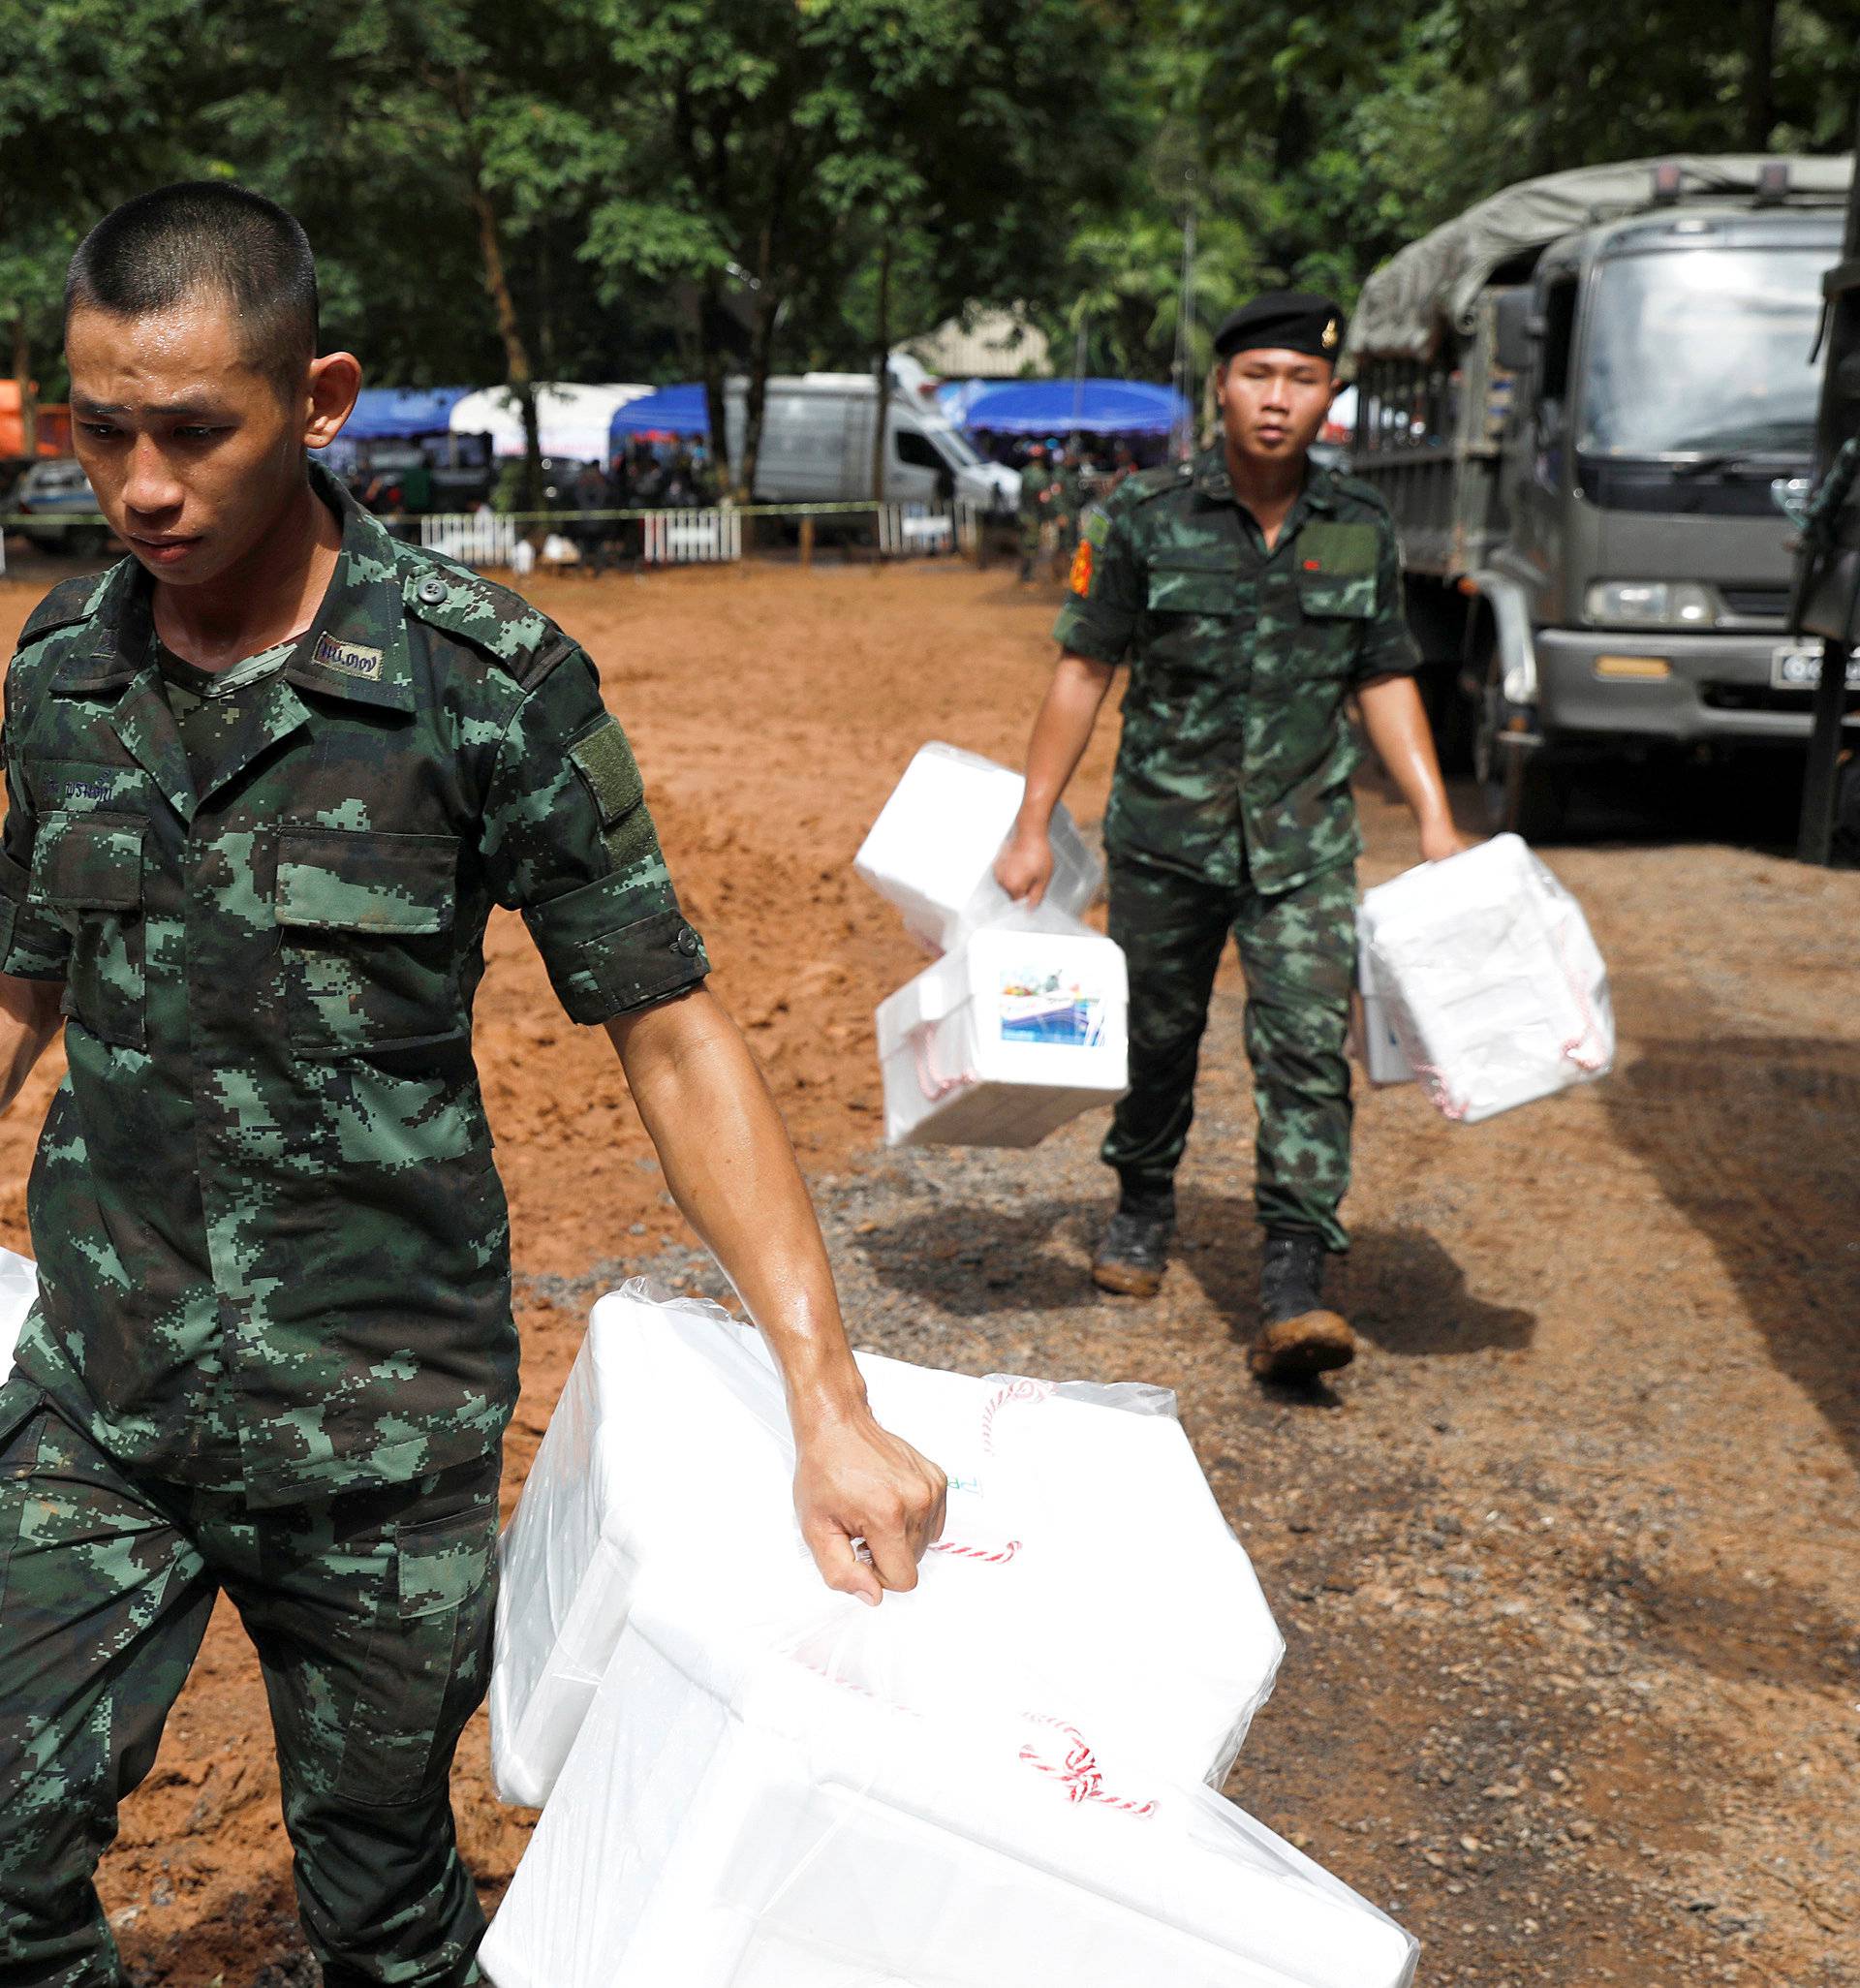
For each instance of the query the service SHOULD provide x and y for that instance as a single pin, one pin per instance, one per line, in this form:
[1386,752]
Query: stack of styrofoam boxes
[18,1287]
[1480,977]
[1021,1025]
[998,1779]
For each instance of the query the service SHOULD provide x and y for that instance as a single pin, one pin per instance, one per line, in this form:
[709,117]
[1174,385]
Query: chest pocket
[365,940]
[87,873]
[1192,634]
[1188,586]
[1334,569]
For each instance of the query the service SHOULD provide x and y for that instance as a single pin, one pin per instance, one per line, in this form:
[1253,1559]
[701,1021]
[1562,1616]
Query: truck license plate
[1797,666]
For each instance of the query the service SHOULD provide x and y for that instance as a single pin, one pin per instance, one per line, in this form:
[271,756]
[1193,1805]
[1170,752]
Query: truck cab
[1580,457]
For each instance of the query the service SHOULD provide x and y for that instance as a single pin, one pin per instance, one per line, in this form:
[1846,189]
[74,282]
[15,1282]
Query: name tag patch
[353,659]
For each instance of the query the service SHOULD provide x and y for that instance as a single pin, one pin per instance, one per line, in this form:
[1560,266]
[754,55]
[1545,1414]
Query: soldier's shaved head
[206,239]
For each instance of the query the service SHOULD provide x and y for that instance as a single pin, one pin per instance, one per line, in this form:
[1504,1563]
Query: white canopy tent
[574,420]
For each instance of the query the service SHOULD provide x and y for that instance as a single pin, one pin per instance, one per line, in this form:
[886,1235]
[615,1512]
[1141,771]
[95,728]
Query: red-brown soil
[1567,1563]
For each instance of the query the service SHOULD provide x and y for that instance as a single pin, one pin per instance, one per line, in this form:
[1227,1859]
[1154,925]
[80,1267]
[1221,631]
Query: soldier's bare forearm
[1061,730]
[29,1019]
[733,1172]
[1396,722]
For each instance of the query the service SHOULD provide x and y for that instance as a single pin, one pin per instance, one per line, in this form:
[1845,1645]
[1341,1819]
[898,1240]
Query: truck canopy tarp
[402,413]
[1060,406]
[1431,286]
[671,410]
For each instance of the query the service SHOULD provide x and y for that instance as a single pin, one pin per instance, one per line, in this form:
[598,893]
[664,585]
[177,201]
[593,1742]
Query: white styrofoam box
[1491,980]
[1085,1564]
[932,851]
[1375,1041]
[734,1818]
[1019,1028]
[18,1287]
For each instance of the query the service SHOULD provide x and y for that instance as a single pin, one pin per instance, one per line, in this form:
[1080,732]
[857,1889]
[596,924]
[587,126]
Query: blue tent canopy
[672,409]
[1093,407]
[401,413]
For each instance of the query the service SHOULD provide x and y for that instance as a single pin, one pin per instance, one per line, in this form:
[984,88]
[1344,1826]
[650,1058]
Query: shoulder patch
[69,600]
[605,763]
[522,638]
[1095,527]
[1344,551]
[1158,483]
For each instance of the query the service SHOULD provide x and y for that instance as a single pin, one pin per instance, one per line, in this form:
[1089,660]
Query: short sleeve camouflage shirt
[1236,754]
[273,1250]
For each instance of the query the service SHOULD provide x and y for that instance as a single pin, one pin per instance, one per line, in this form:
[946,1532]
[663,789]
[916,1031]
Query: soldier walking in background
[1036,500]
[1069,502]
[1252,593]
[267,779]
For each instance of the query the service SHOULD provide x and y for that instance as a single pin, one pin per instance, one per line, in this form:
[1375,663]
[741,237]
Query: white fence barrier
[905,529]
[684,537]
[478,537]
[678,538]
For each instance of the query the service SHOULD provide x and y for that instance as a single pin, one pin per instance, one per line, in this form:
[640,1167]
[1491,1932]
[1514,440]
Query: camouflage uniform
[1231,808]
[1068,505]
[274,1348]
[1035,483]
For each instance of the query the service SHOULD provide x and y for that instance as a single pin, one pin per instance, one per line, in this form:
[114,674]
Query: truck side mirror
[1517,331]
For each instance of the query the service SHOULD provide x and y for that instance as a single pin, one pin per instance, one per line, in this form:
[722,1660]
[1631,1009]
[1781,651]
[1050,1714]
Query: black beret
[1286,321]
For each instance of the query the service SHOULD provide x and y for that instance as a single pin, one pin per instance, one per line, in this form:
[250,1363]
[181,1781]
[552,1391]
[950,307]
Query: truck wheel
[1525,792]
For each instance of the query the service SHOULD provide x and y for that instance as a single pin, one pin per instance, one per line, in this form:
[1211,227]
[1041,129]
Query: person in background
[1036,507]
[1252,595]
[1069,502]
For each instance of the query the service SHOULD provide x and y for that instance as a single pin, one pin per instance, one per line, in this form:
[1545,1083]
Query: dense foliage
[656,189]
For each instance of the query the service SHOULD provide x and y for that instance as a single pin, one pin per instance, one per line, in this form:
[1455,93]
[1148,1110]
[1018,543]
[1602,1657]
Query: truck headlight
[1651,603]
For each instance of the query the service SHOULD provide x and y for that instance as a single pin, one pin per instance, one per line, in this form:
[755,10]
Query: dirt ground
[1568,1563]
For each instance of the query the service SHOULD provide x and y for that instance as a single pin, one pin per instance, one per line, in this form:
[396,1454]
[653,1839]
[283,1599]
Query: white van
[817,446]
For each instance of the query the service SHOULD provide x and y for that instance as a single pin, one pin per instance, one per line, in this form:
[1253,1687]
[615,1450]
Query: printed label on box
[1051,1008]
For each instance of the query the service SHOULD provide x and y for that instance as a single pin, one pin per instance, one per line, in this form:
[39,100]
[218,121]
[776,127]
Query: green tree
[94,97]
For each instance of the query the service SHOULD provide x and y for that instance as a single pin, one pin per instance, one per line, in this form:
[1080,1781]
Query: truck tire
[1524,789]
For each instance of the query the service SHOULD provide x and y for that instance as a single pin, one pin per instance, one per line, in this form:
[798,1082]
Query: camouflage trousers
[371,1614]
[1297,949]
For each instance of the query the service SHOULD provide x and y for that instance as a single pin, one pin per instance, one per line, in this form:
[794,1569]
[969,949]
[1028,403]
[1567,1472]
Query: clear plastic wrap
[742,1818]
[1487,971]
[18,1287]
[1017,1030]
[1085,1565]
[988,1783]
[932,851]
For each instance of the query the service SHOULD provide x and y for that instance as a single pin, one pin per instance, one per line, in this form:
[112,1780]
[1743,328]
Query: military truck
[1575,398]
[1827,601]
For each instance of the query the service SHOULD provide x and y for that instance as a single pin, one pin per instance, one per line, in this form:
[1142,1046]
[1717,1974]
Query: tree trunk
[516,354]
[1759,73]
[711,361]
[882,367]
[28,388]
[761,355]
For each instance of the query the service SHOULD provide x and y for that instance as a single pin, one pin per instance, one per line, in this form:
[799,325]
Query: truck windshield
[1704,352]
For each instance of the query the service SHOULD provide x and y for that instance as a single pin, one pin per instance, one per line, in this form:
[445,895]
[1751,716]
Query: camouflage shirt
[272,1247]
[1237,755]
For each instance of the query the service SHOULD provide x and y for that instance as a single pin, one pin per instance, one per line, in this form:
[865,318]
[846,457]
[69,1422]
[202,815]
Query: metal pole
[1820,783]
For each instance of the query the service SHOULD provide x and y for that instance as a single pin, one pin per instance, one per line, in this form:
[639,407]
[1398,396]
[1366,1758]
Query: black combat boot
[1299,1339]
[1133,1251]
